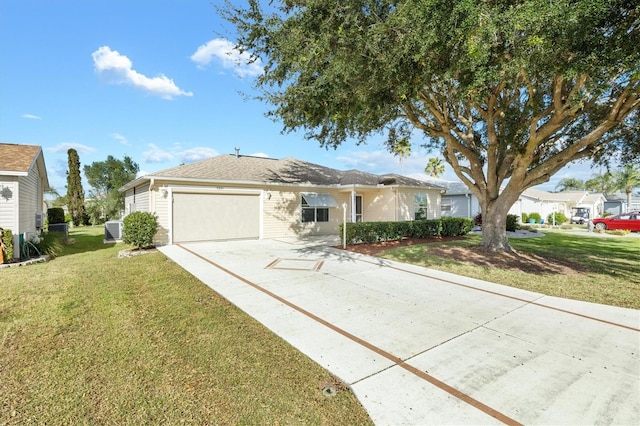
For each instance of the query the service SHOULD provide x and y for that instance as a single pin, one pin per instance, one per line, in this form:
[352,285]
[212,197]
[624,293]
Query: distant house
[244,197]
[458,201]
[545,203]
[23,181]
[618,203]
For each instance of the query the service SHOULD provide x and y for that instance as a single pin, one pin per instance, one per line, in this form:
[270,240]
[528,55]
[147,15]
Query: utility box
[112,231]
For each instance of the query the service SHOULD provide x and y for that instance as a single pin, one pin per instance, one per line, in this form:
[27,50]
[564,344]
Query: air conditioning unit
[112,231]
[39,220]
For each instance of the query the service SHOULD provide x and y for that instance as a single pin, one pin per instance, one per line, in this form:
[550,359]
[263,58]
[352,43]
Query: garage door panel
[205,217]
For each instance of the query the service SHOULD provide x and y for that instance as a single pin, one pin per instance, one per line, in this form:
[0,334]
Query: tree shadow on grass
[85,239]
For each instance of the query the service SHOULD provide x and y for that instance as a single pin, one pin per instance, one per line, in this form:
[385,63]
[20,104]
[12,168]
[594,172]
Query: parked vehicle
[580,215]
[628,221]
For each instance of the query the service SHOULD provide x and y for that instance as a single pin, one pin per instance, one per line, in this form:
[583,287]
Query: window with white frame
[420,206]
[315,207]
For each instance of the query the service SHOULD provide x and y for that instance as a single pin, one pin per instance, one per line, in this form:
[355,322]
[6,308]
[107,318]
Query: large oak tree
[509,91]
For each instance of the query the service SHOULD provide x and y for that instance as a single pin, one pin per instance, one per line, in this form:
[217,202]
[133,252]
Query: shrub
[560,218]
[512,223]
[7,238]
[55,215]
[525,218]
[456,226]
[535,216]
[139,228]
[477,220]
[50,243]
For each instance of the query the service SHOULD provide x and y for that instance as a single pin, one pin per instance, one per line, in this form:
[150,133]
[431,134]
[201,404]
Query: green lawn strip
[89,338]
[612,277]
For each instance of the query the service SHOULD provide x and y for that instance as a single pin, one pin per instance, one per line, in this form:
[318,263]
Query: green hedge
[372,232]
[7,238]
[55,215]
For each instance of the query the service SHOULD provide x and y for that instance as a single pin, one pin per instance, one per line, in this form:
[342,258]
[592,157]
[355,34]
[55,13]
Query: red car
[629,221]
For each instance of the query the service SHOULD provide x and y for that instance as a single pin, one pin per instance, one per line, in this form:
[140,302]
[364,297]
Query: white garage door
[206,217]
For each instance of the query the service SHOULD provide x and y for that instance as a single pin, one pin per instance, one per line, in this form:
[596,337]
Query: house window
[358,208]
[420,206]
[315,207]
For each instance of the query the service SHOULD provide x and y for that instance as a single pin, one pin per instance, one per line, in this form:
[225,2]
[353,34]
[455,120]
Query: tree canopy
[105,178]
[508,91]
[75,193]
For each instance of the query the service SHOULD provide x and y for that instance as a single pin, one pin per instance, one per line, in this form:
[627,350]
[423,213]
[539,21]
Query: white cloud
[243,63]
[31,117]
[260,154]
[120,138]
[196,154]
[156,155]
[64,147]
[118,69]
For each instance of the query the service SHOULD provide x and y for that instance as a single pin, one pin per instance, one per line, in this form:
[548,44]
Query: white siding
[8,203]
[283,214]
[29,200]
[137,199]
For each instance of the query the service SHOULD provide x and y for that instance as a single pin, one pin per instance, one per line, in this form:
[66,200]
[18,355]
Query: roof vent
[237,152]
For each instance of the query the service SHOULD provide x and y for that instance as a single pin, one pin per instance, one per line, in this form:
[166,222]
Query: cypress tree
[75,193]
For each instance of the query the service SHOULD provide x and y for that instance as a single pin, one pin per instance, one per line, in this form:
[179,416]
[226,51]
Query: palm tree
[402,149]
[626,180]
[601,182]
[434,167]
[569,184]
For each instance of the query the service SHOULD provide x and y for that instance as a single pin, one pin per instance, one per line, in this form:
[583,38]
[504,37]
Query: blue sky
[153,80]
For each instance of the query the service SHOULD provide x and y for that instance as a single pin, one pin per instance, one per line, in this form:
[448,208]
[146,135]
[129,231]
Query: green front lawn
[91,339]
[612,263]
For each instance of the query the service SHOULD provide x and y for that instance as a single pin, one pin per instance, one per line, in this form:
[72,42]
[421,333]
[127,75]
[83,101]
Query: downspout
[468,205]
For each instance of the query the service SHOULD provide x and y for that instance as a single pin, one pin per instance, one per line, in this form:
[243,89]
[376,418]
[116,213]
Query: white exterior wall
[406,203]
[9,203]
[282,213]
[379,205]
[30,188]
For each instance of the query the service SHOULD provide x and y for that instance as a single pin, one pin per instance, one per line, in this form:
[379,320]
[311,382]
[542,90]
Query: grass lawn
[88,338]
[612,276]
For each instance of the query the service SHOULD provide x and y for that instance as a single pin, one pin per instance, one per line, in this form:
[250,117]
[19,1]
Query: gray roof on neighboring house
[243,168]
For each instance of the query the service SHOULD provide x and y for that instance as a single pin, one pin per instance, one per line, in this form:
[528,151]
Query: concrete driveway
[418,346]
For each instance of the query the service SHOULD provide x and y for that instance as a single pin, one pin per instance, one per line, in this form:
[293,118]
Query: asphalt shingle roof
[284,171]
[17,158]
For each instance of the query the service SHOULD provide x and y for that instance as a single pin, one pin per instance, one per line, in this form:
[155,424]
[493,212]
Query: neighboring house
[617,203]
[245,197]
[23,181]
[545,203]
[458,201]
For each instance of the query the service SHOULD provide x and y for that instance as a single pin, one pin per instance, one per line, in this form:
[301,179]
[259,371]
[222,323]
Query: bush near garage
[139,228]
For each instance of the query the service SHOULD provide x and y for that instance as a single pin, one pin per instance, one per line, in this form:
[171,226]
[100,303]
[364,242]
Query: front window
[315,207]
[420,206]
[358,208]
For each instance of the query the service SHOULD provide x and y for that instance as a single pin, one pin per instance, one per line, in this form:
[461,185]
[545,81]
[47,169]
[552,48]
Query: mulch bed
[475,255]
